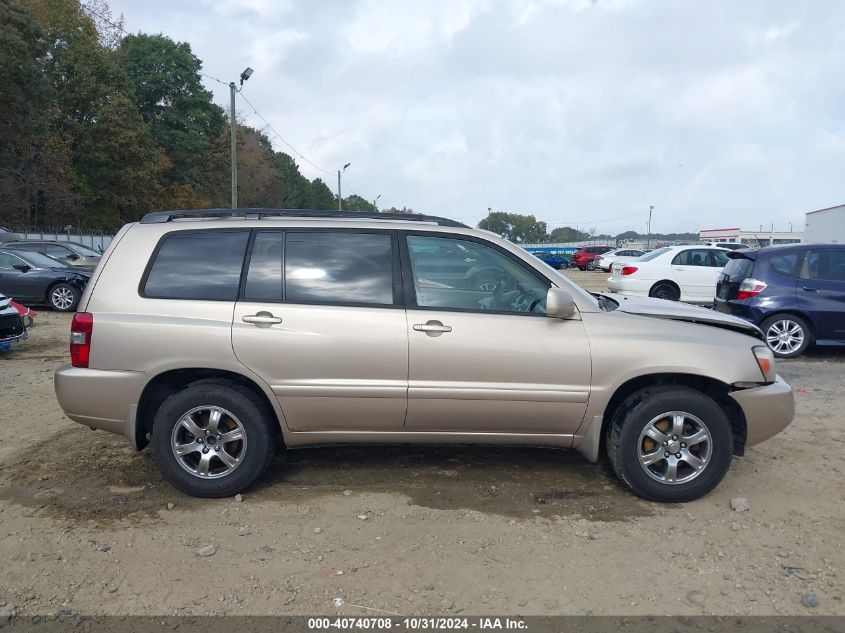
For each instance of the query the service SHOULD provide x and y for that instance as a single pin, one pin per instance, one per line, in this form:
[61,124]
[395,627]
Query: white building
[752,238]
[825,225]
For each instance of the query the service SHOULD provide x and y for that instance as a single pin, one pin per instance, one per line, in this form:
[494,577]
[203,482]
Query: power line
[269,125]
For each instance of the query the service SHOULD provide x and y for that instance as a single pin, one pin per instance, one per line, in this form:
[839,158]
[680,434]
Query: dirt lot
[87,524]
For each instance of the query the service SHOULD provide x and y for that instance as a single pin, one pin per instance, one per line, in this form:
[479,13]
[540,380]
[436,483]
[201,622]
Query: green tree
[165,79]
[91,103]
[515,227]
[119,166]
[357,203]
[24,101]
[567,234]
[317,195]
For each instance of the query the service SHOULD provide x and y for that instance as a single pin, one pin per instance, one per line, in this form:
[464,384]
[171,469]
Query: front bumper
[768,409]
[101,399]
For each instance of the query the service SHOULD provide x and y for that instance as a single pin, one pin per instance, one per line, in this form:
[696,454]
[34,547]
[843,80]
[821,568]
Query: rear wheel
[665,290]
[212,439]
[787,335]
[670,444]
[64,297]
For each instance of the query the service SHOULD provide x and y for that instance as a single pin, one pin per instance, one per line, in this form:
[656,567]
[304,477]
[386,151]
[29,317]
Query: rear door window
[339,267]
[264,276]
[197,265]
[692,257]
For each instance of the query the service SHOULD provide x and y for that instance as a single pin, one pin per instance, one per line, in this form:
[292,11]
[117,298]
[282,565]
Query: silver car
[618,255]
[73,253]
[216,336]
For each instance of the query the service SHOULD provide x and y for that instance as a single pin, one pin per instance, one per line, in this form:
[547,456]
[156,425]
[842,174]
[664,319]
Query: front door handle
[809,289]
[261,319]
[432,328]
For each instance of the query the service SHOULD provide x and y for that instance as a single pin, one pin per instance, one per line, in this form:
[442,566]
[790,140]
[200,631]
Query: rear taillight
[629,270]
[750,287]
[80,338]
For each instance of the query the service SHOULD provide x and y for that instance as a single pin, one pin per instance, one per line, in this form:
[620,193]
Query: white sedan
[618,255]
[685,273]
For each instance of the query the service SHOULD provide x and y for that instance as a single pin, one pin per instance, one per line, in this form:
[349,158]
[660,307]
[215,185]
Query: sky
[581,112]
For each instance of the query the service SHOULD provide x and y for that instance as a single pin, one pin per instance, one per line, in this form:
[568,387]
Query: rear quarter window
[202,265]
[785,264]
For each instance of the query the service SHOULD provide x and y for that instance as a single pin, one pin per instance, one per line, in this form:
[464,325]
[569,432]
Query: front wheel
[212,439]
[670,444]
[64,297]
[787,335]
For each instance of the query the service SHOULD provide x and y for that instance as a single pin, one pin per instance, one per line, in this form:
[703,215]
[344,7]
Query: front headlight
[766,361]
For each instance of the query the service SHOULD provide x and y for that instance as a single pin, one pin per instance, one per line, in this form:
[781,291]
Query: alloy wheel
[209,442]
[785,336]
[62,298]
[674,447]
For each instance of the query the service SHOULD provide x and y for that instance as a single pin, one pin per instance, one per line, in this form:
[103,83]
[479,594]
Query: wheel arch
[594,442]
[163,385]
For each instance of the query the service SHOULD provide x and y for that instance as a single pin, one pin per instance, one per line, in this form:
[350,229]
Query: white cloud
[569,109]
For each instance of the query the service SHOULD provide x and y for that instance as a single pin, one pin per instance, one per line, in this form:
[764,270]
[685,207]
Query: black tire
[591,266]
[665,290]
[64,297]
[582,268]
[776,323]
[257,422]
[624,441]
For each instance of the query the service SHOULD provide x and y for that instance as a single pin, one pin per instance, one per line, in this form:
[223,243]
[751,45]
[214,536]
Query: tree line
[98,127]
[527,229]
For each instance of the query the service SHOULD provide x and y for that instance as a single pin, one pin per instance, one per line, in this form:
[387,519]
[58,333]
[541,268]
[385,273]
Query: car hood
[662,309]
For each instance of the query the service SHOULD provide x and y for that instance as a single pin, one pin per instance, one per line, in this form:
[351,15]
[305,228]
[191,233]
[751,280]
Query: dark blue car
[555,260]
[795,294]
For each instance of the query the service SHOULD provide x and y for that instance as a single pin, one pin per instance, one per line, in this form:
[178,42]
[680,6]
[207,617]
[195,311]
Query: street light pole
[339,196]
[375,203]
[648,237]
[233,124]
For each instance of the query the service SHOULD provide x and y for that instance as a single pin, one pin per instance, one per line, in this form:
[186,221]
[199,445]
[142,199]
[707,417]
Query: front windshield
[39,260]
[84,250]
[655,253]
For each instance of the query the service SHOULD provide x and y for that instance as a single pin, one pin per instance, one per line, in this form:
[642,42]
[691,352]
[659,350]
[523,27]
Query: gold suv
[215,336]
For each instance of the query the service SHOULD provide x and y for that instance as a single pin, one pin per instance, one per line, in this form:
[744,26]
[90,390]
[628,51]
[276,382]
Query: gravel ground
[87,524]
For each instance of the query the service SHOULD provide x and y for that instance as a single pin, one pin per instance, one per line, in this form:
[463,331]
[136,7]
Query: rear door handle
[261,319]
[810,289]
[432,328]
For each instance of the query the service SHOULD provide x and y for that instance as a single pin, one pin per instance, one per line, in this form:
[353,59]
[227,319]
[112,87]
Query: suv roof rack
[158,217]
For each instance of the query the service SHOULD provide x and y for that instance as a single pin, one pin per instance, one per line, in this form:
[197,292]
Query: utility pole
[233,124]
[339,196]
[648,229]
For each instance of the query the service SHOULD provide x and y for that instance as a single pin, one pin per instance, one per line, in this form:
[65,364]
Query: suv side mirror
[559,304]
[71,257]
[21,267]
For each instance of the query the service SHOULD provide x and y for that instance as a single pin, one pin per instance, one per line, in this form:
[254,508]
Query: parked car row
[794,293]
